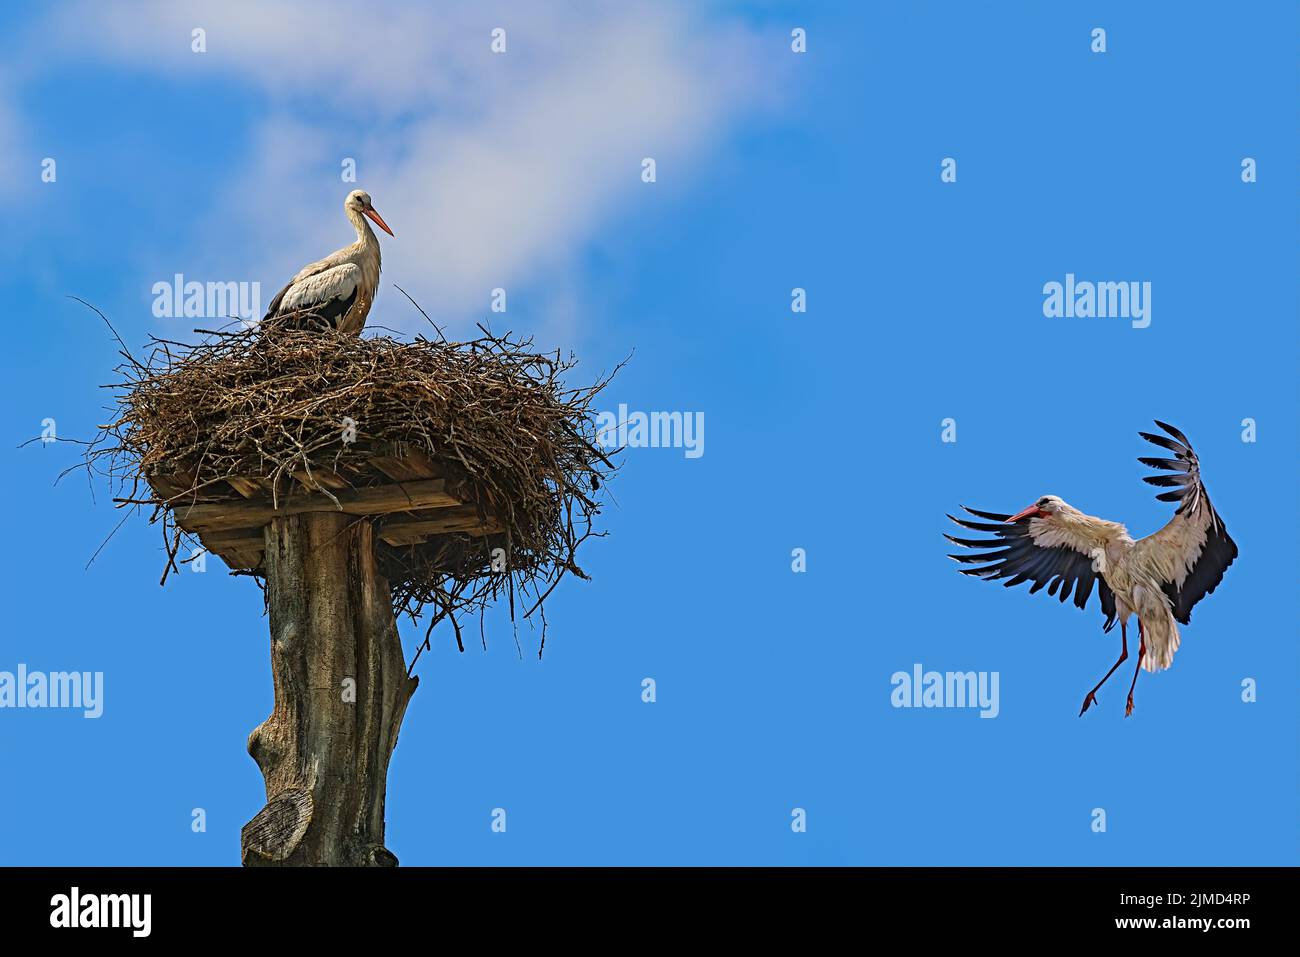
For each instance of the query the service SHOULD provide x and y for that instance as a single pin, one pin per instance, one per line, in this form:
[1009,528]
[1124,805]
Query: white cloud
[493,170]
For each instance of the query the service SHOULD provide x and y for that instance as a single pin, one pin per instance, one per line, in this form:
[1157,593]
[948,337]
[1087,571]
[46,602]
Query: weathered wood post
[341,691]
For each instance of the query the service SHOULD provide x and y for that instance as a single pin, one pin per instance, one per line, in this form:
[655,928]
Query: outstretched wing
[1191,553]
[1015,553]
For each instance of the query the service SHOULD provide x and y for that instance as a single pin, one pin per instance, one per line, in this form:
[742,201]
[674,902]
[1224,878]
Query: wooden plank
[407,466]
[242,548]
[242,545]
[380,500]
[247,486]
[169,486]
[241,557]
[319,479]
[178,488]
[415,535]
[237,537]
[238,548]
[411,530]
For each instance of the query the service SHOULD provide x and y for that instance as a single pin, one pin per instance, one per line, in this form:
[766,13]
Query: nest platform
[414,501]
[450,450]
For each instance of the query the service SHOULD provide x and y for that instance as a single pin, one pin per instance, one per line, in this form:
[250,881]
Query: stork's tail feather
[1162,640]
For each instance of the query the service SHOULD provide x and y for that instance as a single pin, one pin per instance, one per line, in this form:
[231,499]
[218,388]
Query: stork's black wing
[1191,553]
[327,314]
[1013,554]
[274,307]
[316,299]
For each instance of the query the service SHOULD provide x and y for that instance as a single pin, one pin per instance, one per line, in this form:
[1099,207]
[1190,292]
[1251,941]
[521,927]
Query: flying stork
[338,290]
[1158,578]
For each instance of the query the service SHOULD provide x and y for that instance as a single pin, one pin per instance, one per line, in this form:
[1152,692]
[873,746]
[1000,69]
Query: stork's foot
[1128,709]
[1088,702]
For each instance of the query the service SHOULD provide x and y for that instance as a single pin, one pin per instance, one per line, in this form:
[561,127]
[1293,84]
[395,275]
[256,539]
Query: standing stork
[1158,578]
[336,291]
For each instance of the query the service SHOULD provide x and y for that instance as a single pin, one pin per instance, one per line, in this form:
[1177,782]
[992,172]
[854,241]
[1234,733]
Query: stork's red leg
[1091,697]
[1142,650]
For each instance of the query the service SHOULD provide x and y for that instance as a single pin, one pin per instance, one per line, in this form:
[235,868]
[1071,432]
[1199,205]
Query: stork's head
[1045,507]
[358,201]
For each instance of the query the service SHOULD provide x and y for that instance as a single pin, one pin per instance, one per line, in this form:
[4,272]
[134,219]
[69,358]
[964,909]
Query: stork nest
[290,407]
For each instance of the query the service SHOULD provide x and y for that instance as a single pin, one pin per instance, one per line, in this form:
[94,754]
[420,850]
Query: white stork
[338,290]
[1158,578]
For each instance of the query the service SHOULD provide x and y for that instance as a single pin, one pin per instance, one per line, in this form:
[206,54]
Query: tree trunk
[340,693]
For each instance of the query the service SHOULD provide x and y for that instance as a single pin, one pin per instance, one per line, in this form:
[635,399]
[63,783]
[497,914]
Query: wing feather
[325,294]
[1192,552]
[1065,569]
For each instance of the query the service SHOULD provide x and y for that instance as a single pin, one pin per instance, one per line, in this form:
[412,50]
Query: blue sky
[775,170]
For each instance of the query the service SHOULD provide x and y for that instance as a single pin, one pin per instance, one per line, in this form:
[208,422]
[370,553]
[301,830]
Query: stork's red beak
[1031,512]
[379,220]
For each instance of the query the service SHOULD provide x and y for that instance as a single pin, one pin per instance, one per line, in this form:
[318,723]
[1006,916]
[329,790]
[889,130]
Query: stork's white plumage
[1158,578]
[338,290]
